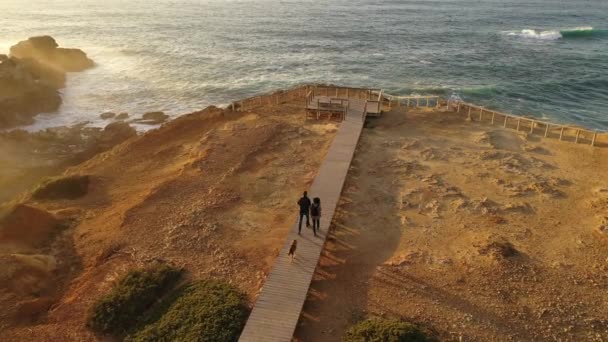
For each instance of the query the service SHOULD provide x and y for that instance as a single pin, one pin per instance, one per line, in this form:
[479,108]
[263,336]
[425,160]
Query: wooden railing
[308,92]
[409,101]
[274,98]
[476,113]
[343,92]
[309,97]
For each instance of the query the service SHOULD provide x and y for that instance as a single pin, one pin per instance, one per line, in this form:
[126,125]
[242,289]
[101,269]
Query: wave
[578,32]
[584,32]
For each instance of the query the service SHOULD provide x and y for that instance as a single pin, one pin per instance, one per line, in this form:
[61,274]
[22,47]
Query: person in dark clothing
[304,204]
[315,213]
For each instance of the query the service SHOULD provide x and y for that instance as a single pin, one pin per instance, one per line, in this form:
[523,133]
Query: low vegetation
[119,311]
[384,330]
[70,187]
[210,311]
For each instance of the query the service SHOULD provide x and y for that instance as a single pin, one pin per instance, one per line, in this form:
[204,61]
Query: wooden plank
[277,310]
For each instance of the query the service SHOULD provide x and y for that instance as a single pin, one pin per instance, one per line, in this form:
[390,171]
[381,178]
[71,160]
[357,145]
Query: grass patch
[70,187]
[120,310]
[384,330]
[210,311]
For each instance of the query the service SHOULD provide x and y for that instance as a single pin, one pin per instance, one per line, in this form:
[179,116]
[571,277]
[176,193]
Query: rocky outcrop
[45,49]
[48,152]
[26,227]
[107,115]
[122,116]
[153,118]
[23,93]
[31,76]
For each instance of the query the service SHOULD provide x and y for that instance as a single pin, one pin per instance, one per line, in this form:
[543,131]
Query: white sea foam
[536,34]
[551,34]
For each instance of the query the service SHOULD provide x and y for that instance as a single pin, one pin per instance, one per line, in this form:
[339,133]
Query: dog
[292,249]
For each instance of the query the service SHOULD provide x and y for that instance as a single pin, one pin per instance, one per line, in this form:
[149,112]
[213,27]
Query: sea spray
[578,32]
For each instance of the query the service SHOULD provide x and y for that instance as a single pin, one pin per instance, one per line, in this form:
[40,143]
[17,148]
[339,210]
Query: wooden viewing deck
[277,310]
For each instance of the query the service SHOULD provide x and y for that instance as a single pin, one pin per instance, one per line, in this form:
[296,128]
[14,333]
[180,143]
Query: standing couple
[310,209]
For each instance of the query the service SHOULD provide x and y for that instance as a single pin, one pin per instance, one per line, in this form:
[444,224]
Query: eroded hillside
[213,192]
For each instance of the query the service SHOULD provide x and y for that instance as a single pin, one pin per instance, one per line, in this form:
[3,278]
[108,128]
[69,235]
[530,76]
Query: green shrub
[133,295]
[70,187]
[209,311]
[384,330]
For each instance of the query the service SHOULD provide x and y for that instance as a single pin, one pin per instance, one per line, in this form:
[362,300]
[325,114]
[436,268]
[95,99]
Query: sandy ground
[213,192]
[475,232]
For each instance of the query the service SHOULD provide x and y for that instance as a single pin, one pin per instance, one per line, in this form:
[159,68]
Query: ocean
[544,58]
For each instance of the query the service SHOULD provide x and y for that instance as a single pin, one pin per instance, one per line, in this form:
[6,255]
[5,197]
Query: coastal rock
[26,274]
[155,118]
[122,116]
[25,226]
[24,93]
[107,115]
[117,132]
[45,49]
[31,76]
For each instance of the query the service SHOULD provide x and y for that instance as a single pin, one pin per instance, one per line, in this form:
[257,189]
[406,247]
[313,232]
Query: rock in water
[31,76]
[107,115]
[155,117]
[122,116]
[24,92]
[45,49]
[117,132]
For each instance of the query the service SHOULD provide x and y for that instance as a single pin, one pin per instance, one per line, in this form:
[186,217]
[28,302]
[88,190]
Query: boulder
[31,76]
[107,115]
[69,187]
[122,116]
[46,50]
[27,274]
[26,91]
[155,117]
[114,134]
[117,131]
[25,226]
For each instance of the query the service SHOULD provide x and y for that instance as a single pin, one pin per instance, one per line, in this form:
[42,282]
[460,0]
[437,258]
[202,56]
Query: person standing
[315,213]
[304,204]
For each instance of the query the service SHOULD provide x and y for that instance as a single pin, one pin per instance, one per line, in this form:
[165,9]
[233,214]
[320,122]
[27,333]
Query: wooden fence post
[505,124]
[469,115]
[427,102]
[547,130]
[593,139]
[578,132]
[561,133]
[531,126]
[493,113]
[518,122]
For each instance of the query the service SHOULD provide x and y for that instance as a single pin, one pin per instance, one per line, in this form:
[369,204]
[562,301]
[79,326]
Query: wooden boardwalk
[277,310]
